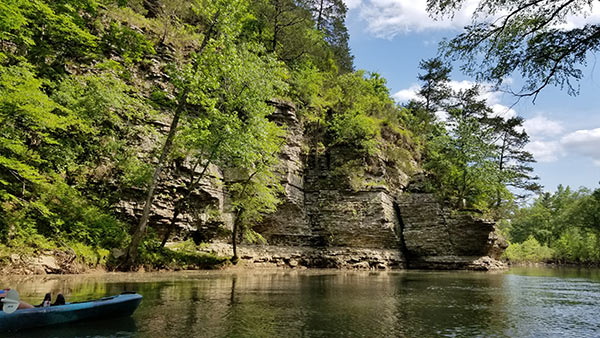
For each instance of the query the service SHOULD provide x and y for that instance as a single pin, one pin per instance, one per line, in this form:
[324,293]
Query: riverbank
[77,259]
[186,256]
[60,262]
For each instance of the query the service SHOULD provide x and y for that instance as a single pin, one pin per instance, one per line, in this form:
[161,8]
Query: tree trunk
[132,251]
[500,170]
[235,258]
[320,16]
[138,235]
[176,212]
[278,11]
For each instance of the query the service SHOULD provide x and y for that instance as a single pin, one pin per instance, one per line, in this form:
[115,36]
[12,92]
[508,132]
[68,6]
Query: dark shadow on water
[114,327]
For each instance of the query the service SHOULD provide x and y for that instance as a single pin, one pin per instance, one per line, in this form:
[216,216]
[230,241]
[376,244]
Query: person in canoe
[60,300]
[22,304]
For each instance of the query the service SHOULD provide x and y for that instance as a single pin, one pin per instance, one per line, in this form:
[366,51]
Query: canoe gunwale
[106,307]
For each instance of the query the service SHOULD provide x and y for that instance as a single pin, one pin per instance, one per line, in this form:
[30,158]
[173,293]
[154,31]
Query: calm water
[518,303]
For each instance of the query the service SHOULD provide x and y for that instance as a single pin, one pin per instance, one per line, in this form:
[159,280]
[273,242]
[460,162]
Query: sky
[391,37]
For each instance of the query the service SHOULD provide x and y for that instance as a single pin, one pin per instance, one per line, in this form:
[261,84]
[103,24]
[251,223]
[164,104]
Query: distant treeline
[561,227]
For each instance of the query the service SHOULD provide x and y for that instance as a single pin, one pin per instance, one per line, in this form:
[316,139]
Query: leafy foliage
[46,146]
[525,37]
[566,221]
[529,251]
[474,155]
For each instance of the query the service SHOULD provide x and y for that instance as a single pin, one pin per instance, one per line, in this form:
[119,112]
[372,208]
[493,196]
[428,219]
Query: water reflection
[119,327]
[524,303]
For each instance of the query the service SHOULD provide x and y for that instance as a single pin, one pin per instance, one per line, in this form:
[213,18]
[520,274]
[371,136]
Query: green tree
[194,83]
[474,133]
[283,27]
[255,185]
[548,216]
[223,131]
[566,221]
[513,161]
[48,33]
[49,149]
[435,90]
[462,156]
[330,17]
[534,221]
[434,96]
[586,212]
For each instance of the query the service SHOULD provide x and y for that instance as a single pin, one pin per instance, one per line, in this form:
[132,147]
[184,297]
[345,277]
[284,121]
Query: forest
[100,97]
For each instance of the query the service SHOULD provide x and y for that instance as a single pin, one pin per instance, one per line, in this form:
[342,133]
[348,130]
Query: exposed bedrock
[323,215]
[442,238]
[338,210]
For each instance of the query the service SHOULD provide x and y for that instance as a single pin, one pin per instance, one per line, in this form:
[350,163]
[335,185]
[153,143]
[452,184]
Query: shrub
[529,251]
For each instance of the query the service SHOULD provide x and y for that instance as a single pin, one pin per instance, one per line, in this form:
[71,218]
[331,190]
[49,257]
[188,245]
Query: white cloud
[410,93]
[503,111]
[461,85]
[549,142]
[540,126]
[587,17]
[407,94]
[491,96]
[351,4]
[583,142]
[545,143]
[388,18]
[545,151]
[441,115]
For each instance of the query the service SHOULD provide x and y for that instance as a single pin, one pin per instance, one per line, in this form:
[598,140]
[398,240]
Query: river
[521,302]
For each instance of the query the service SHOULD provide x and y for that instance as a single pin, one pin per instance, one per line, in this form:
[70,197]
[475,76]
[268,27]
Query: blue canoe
[107,307]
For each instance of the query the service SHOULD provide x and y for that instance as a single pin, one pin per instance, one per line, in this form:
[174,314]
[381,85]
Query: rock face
[47,262]
[331,217]
[324,222]
[440,238]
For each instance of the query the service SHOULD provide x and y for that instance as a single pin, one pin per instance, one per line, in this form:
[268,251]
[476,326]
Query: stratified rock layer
[441,238]
[325,221]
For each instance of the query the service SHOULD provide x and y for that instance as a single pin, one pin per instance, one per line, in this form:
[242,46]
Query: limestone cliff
[330,223]
[332,217]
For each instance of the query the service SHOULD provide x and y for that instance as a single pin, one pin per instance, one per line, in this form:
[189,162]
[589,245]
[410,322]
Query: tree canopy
[564,225]
[106,100]
[477,157]
[528,37]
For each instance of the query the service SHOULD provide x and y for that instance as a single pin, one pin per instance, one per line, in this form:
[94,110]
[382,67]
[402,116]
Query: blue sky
[391,37]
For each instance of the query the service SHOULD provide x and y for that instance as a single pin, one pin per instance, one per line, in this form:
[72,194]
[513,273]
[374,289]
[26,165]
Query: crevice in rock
[447,227]
[400,233]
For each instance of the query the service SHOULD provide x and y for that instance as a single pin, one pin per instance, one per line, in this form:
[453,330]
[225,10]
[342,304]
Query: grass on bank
[183,255]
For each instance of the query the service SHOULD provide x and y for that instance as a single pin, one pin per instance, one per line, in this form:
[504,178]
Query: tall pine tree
[330,17]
